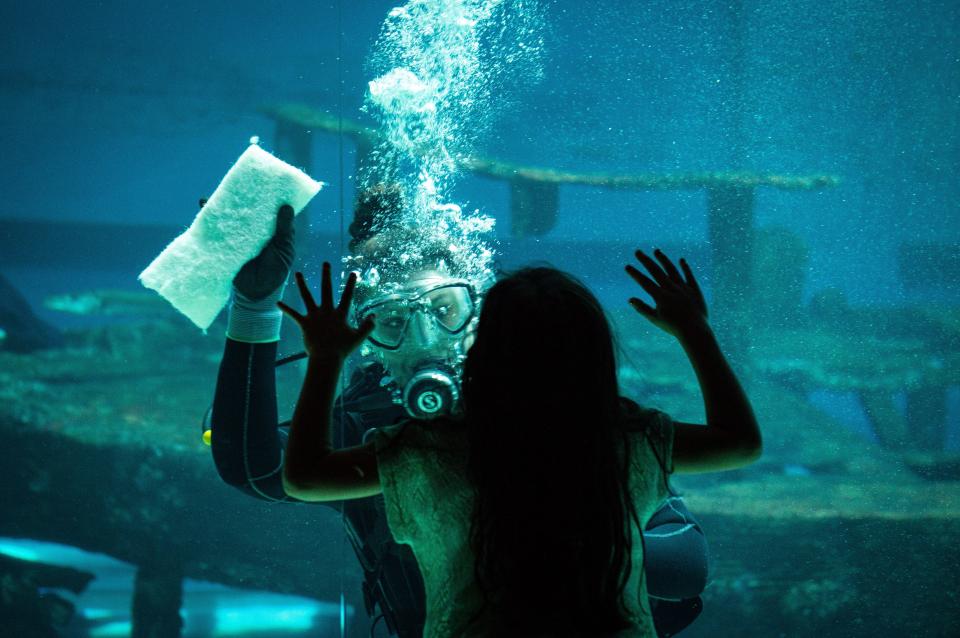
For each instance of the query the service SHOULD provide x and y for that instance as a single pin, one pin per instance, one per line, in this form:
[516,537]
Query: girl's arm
[312,469]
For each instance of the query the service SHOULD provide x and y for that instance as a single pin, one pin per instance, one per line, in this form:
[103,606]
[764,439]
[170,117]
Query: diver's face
[426,320]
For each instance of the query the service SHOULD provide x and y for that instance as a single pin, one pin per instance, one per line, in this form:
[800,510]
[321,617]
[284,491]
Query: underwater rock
[943,466]
[26,607]
[102,444]
[22,331]
[829,305]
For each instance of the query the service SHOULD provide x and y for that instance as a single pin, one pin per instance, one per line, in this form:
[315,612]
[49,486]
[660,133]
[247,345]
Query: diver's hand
[268,271]
[326,331]
[680,306]
[253,315]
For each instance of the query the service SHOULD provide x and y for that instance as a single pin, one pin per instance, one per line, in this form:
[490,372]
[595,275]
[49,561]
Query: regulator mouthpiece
[430,394]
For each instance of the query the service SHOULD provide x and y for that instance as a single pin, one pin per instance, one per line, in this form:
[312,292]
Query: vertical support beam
[157,598]
[533,207]
[888,424]
[730,233]
[927,417]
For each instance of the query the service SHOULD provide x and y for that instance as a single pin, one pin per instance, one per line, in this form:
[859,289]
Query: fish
[795,469]
[109,303]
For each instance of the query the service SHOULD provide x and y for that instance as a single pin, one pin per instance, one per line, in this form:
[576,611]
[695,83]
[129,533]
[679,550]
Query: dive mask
[449,306]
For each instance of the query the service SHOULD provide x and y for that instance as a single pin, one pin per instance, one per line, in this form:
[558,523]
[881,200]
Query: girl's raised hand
[326,329]
[680,306]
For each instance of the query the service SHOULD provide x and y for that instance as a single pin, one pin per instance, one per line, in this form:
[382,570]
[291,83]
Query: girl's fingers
[347,296]
[642,307]
[305,292]
[296,316]
[668,266]
[326,287]
[691,280]
[320,318]
[653,267]
[644,281]
[365,328]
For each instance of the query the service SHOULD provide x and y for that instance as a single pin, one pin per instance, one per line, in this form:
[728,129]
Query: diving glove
[253,315]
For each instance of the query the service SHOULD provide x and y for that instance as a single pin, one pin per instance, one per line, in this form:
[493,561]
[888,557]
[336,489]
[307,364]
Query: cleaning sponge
[195,272]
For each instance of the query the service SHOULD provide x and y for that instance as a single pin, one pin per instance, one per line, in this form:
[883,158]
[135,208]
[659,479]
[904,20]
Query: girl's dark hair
[548,457]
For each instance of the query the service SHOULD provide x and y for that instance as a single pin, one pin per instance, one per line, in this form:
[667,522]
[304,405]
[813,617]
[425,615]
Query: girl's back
[429,503]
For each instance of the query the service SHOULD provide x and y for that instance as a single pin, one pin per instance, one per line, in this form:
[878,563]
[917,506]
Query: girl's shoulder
[442,432]
[656,426]
[638,418]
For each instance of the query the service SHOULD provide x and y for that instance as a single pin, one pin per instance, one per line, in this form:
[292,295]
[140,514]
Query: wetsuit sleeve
[246,441]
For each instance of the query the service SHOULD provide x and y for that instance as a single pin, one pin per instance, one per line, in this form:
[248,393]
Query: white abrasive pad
[195,272]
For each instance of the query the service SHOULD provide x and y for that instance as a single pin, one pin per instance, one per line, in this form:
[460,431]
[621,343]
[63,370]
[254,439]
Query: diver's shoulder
[367,369]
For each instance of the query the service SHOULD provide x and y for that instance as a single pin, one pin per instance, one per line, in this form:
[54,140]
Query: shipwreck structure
[535,192]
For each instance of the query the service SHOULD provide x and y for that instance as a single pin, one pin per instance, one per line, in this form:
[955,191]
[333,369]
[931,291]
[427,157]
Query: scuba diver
[424,323]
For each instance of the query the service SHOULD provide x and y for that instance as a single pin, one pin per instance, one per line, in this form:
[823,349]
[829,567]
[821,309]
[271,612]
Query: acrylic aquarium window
[801,157]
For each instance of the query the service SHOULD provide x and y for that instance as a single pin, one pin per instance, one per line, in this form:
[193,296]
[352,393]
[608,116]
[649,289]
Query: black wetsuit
[247,449]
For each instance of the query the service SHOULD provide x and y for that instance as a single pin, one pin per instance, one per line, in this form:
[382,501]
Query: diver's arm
[244,438]
[247,444]
[244,435]
[312,469]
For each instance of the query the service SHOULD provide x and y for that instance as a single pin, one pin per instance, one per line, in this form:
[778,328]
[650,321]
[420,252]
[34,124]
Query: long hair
[548,456]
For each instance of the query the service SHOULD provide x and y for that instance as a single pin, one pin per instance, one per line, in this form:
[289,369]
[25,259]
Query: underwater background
[802,156]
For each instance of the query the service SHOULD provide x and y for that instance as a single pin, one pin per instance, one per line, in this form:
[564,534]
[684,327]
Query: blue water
[127,112]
